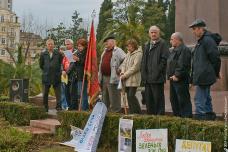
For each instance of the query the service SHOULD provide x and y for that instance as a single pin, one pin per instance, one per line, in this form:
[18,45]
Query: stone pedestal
[214,12]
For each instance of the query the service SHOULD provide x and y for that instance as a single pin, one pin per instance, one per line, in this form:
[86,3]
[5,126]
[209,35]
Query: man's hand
[64,73]
[75,58]
[219,76]
[174,78]
[122,77]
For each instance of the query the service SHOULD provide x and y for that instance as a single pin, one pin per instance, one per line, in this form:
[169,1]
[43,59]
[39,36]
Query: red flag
[91,68]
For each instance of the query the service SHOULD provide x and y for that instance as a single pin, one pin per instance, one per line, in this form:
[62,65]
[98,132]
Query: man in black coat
[178,72]
[206,68]
[153,71]
[50,64]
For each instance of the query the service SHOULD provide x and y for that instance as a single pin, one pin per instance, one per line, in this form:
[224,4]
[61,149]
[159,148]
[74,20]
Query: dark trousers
[180,99]
[71,94]
[155,99]
[133,103]
[57,89]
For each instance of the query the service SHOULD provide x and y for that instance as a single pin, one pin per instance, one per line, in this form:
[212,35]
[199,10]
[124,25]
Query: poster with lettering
[90,136]
[152,140]
[192,146]
[125,135]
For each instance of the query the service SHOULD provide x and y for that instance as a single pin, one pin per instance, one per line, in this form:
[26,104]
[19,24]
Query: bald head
[154,33]
[178,36]
[176,39]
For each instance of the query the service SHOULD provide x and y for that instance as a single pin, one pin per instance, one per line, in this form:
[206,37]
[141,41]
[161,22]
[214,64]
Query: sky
[53,12]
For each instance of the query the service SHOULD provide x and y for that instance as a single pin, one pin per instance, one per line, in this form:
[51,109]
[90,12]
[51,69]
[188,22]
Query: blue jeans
[203,100]
[85,105]
[63,96]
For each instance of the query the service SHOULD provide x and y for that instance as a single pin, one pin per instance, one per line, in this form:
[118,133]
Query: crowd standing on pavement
[149,68]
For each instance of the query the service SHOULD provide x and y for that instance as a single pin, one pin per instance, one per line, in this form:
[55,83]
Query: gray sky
[55,11]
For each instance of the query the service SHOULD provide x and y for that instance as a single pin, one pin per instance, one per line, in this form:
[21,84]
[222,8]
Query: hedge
[21,113]
[178,128]
[13,140]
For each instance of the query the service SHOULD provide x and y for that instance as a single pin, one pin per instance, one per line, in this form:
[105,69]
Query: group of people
[64,75]
[148,67]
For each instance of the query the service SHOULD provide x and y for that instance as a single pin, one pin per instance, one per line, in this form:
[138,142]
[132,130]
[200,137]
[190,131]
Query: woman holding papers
[130,74]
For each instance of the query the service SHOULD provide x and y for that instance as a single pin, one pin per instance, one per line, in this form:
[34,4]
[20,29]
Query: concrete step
[34,130]
[47,124]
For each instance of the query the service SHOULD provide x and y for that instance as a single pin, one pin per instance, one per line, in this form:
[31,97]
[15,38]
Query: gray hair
[154,27]
[178,35]
[69,40]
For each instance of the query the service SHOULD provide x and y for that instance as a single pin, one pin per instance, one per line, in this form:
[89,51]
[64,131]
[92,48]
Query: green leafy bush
[21,113]
[12,140]
[178,128]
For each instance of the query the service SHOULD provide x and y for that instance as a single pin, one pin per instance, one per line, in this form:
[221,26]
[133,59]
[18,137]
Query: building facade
[9,30]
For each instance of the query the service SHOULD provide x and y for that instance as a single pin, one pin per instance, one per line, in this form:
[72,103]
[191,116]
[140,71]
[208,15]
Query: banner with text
[192,146]
[152,140]
[90,136]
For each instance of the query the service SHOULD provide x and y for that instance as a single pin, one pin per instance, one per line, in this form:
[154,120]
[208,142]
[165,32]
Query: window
[3,29]
[3,40]
[12,31]
[2,18]
[12,43]
[3,52]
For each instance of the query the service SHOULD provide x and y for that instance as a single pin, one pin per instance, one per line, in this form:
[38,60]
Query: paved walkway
[218,101]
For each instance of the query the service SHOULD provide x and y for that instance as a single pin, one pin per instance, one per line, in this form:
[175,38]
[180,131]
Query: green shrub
[178,128]
[4,98]
[21,113]
[12,140]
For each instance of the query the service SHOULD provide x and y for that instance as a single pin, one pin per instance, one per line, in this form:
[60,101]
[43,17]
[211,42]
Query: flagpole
[93,15]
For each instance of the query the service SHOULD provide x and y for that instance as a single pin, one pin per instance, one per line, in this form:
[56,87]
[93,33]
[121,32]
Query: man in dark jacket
[153,71]
[178,72]
[206,68]
[50,64]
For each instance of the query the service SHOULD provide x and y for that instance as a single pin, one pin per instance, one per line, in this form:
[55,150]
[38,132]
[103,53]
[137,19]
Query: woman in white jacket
[130,74]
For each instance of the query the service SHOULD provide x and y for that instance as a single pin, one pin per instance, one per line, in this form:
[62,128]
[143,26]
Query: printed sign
[152,140]
[90,136]
[125,135]
[192,146]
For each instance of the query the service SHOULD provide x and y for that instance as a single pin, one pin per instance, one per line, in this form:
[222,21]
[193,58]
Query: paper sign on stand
[192,146]
[125,135]
[90,136]
[152,140]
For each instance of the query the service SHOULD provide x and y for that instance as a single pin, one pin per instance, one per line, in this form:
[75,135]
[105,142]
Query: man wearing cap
[205,68]
[111,59]
[153,72]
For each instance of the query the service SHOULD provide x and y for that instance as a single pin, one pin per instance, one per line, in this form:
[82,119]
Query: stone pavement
[218,101]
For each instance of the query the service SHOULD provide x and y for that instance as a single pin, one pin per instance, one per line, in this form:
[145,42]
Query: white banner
[125,135]
[152,140]
[91,133]
[76,134]
[192,146]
